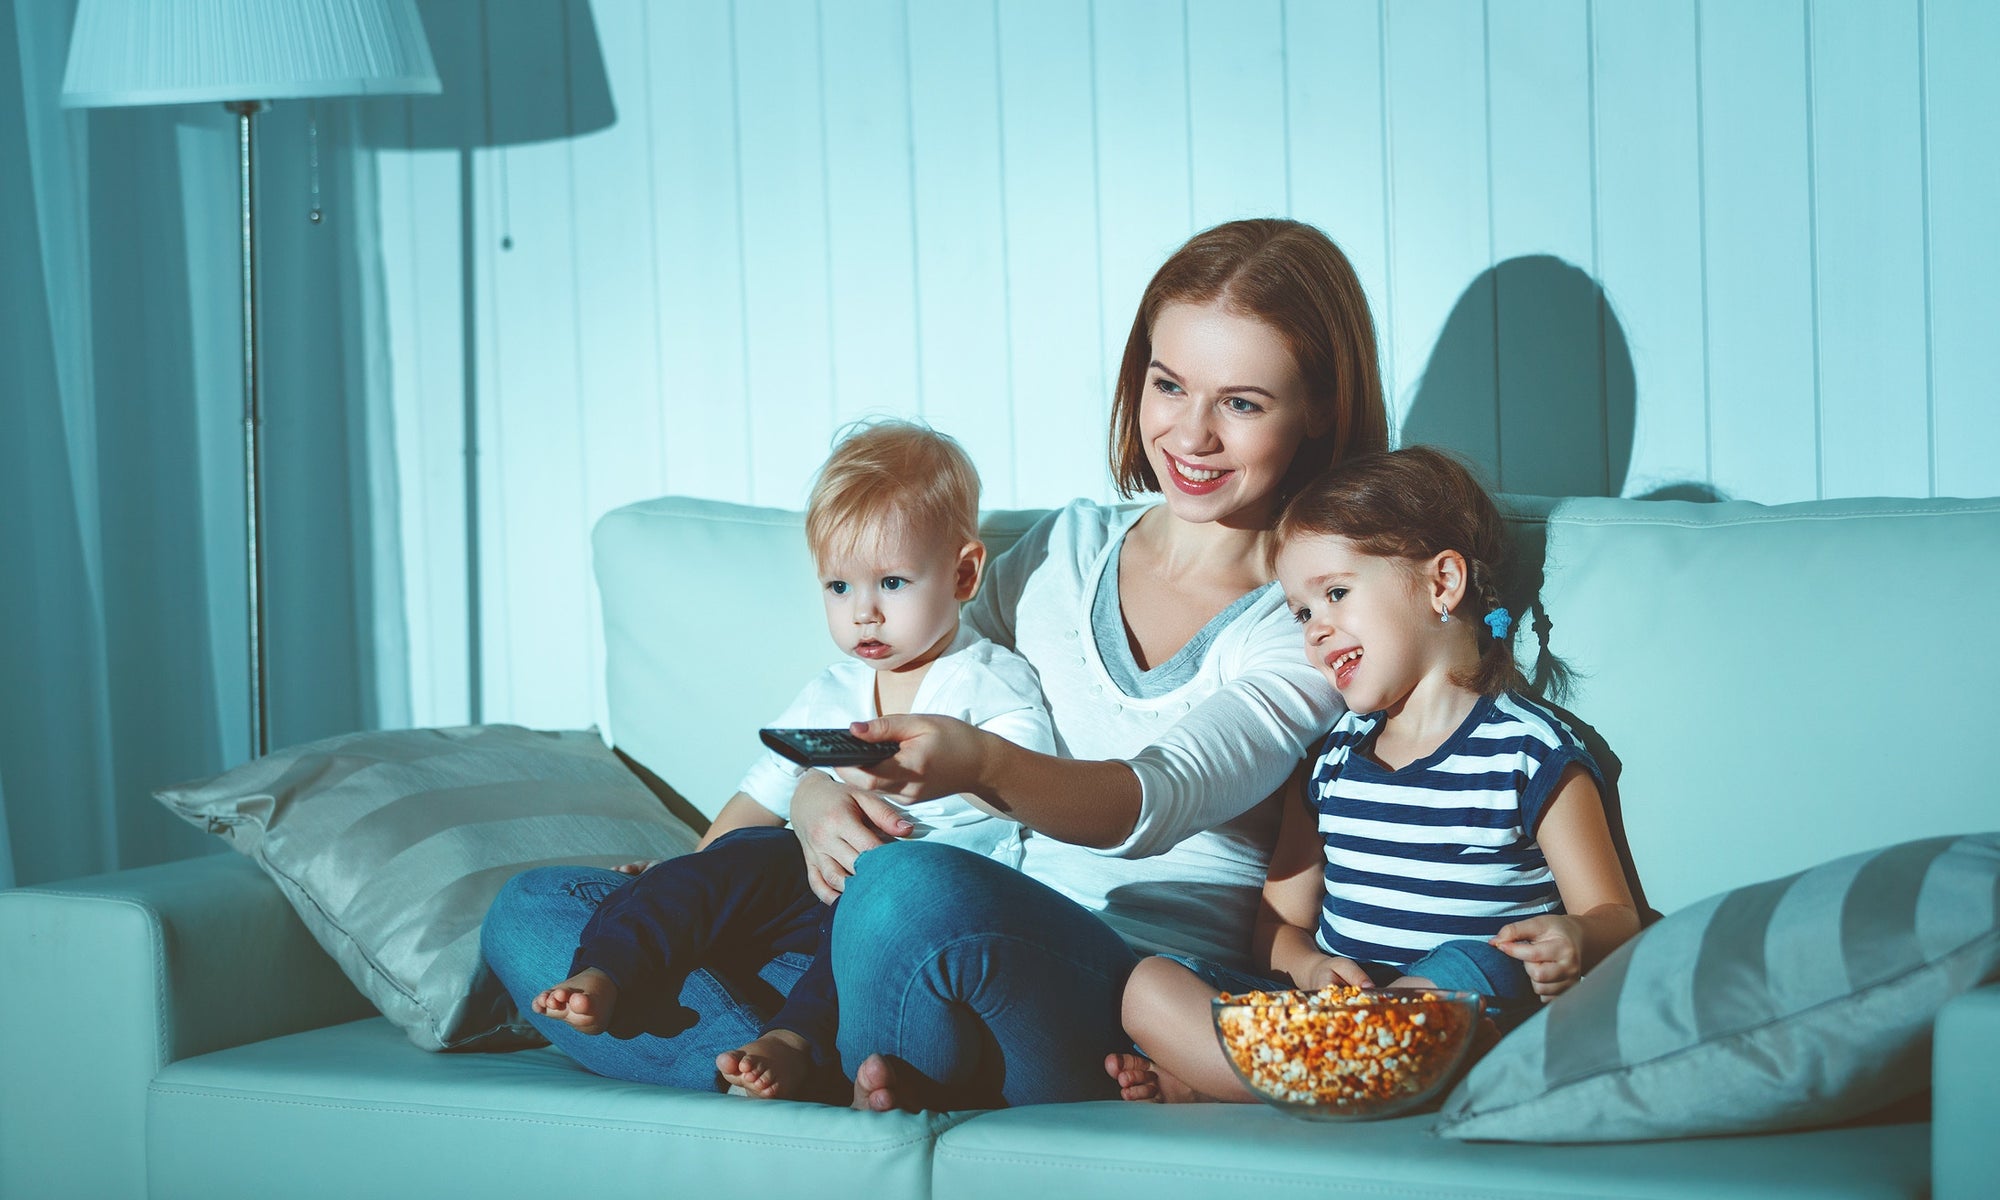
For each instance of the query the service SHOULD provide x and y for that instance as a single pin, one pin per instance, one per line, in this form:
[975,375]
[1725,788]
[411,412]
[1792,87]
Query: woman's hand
[1552,948]
[835,824]
[936,757]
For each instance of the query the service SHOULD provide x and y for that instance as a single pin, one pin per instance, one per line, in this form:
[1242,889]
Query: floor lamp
[246,54]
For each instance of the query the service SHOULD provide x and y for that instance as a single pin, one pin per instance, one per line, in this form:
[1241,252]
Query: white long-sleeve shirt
[1206,753]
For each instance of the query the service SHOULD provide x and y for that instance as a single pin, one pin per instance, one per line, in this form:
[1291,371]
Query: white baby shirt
[975,681]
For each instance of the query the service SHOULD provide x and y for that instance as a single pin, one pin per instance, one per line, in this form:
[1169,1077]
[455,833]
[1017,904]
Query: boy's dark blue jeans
[701,947]
[744,896]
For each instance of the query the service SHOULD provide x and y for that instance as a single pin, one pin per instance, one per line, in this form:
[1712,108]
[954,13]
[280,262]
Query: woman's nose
[1196,431]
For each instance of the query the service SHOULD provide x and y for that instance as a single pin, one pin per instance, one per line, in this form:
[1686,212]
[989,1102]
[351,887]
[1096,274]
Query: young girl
[1451,833]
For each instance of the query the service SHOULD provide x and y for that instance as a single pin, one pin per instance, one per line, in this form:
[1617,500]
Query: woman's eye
[1243,405]
[1166,387]
[894,583]
[837,586]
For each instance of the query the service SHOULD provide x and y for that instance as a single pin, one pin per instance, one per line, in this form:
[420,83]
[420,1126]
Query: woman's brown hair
[1414,504]
[1291,277]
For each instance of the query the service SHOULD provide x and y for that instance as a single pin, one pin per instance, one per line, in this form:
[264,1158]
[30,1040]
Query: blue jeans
[990,988]
[532,931]
[1465,965]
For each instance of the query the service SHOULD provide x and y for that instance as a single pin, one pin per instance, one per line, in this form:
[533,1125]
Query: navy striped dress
[1443,848]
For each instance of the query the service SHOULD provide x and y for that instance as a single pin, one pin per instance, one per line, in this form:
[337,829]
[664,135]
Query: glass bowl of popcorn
[1346,1053]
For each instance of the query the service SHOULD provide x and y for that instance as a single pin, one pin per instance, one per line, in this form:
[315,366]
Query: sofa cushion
[1780,1005]
[1203,1151]
[351,1111]
[391,845]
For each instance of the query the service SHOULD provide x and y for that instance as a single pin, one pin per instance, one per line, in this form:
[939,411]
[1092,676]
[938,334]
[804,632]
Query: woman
[1173,673]
[1178,693]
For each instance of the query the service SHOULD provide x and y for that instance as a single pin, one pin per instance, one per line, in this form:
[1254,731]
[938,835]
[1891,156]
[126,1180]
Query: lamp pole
[253,419]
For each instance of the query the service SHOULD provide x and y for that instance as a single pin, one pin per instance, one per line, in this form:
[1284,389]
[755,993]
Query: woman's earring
[1444,616]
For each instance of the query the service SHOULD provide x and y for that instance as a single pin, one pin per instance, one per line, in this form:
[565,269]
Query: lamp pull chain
[312,159]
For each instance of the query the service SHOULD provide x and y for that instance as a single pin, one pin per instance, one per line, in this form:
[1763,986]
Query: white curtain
[123,657]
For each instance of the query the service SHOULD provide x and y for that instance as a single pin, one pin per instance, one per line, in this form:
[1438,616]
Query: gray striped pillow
[1785,1004]
[391,845]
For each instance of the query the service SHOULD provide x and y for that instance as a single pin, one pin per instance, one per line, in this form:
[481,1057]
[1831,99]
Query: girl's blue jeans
[986,987]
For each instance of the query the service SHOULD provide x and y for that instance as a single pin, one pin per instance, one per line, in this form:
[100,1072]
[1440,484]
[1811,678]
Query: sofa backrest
[712,624]
[1779,685]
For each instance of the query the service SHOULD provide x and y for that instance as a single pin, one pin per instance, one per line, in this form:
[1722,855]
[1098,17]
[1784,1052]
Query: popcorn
[1349,1050]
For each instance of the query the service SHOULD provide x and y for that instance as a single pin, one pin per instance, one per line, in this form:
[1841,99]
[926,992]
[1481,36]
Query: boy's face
[892,599]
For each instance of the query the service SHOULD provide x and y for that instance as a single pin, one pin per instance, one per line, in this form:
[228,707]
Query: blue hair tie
[1499,621]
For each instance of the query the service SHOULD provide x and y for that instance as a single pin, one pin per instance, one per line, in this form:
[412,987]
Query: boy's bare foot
[586,1000]
[777,1066]
[1139,1079]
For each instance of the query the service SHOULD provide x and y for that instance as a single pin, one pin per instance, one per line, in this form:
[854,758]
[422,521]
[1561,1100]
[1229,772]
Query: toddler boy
[893,523]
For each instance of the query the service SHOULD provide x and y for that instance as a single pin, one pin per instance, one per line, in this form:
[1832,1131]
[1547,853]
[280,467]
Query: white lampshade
[194,51]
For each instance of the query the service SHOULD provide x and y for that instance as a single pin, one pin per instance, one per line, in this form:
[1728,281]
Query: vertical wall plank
[1868,197]
[617,293]
[1441,241]
[1649,123]
[1049,148]
[961,234]
[693,170]
[1555,431]
[785,282]
[535,494]
[1763,423]
[1962,109]
[872,254]
[1338,169]
[617,297]
[1236,109]
[1145,210]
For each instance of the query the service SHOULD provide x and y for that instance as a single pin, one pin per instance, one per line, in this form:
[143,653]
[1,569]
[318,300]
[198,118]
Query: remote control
[825,747]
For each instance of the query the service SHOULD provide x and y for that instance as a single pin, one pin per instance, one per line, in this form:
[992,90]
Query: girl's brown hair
[1291,277]
[1415,504]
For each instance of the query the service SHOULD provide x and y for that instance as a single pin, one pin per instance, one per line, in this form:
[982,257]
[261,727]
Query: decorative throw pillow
[391,845]
[1797,1002]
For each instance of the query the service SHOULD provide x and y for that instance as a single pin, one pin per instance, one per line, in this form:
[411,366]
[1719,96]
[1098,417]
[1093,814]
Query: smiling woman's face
[1223,412]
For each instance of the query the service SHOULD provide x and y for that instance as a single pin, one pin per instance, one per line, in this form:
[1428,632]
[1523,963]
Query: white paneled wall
[1647,246]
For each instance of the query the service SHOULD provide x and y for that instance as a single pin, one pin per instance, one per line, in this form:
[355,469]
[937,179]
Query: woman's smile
[1223,412]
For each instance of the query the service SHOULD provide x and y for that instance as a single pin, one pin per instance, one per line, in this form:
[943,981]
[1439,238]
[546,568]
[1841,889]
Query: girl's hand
[637,868]
[1327,970]
[1551,946]
[835,824]
[937,756]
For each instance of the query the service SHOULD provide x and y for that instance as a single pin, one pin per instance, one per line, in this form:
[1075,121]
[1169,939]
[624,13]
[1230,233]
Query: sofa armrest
[1965,1097]
[115,976]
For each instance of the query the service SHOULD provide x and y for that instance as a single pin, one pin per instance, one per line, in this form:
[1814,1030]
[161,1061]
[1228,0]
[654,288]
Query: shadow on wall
[1532,381]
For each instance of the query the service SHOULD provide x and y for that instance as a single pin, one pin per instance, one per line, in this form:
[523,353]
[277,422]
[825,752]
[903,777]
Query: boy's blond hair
[892,478]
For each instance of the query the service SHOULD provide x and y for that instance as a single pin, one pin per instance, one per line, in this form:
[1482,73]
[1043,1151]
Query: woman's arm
[1234,748]
[1576,840]
[1085,802]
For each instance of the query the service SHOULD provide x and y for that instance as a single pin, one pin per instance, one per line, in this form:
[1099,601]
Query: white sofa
[1779,686]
